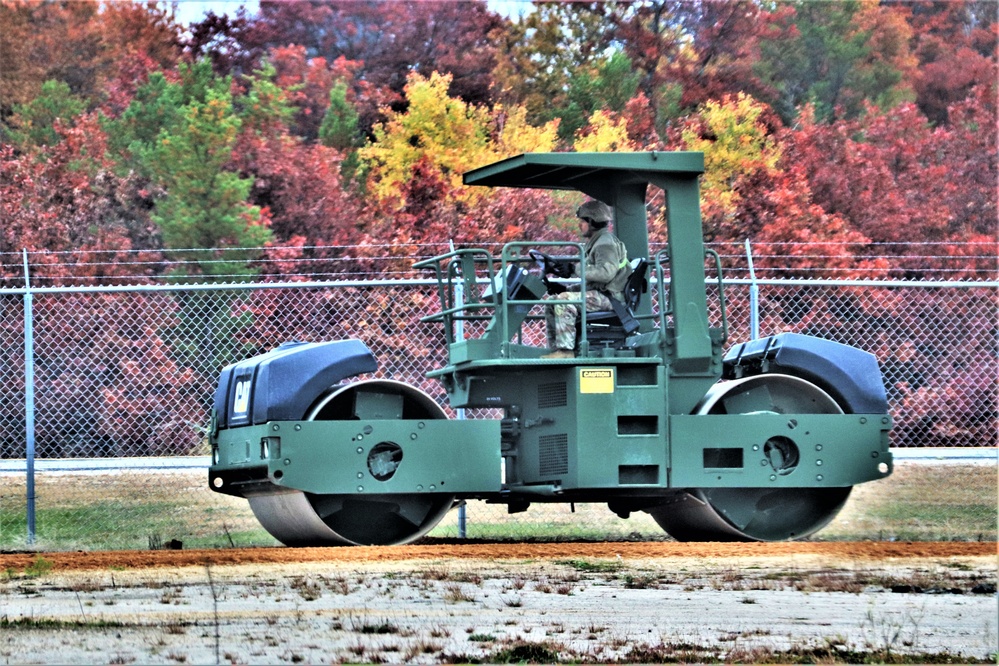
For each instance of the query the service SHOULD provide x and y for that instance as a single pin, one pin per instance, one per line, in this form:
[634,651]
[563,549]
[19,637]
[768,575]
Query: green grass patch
[922,502]
[592,566]
[130,510]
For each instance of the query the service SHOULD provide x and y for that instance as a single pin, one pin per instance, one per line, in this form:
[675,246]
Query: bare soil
[497,551]
[442,601]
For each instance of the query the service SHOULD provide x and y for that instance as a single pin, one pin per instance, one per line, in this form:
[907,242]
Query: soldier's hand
[563,269]
[554,287]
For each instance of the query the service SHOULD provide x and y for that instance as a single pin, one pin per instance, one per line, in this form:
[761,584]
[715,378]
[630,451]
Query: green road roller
[762,441]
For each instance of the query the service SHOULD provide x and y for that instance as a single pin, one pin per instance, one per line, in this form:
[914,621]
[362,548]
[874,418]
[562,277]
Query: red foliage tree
[955,42]
[903,183]
[427,36]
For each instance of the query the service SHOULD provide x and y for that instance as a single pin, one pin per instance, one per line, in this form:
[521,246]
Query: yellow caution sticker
[596,380]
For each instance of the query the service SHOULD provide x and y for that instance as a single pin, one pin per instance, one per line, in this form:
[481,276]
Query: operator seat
[605,327]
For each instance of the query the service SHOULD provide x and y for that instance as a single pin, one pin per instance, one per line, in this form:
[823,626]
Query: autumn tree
[736,137]
[543,51]
[836,56]
[313,215]
[955,43]
[904,183]
[422,37]
[687,52]
[67,197]
[34,123]
[605,132]
[448,135]
[225,41]
[79,44]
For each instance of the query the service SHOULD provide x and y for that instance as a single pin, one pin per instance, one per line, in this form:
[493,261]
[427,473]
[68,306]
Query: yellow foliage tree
[449,134]
[605,133]
[735,142]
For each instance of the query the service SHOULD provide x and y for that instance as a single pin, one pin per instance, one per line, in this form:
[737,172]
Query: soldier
[607,272]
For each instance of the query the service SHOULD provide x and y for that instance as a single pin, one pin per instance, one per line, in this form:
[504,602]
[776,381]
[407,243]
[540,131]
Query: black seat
[607,327]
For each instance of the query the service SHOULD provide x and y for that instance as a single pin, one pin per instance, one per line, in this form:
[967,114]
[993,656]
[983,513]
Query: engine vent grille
[553,455]
[552,395]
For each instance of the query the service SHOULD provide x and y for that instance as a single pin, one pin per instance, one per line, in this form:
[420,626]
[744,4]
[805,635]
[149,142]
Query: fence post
[754,297]
[459,297]
[29,400]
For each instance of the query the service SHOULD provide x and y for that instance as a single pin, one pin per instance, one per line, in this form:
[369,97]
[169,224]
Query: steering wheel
[550,265]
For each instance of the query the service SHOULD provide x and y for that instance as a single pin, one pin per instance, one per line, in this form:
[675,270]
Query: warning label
[596,380]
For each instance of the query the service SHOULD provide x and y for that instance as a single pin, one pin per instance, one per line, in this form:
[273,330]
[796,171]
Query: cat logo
[241,399]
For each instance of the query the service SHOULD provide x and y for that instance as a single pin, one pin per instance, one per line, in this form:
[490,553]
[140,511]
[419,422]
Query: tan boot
[559,353]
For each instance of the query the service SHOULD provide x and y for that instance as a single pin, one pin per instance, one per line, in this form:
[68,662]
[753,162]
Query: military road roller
[759,442]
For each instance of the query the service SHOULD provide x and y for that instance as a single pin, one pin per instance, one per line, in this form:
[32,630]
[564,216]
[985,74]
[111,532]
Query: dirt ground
[490,551]
[536,602]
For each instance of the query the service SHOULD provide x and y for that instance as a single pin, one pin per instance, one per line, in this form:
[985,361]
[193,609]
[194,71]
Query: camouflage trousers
[560,317]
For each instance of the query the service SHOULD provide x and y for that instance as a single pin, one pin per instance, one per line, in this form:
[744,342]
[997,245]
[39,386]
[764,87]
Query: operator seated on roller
[607,272]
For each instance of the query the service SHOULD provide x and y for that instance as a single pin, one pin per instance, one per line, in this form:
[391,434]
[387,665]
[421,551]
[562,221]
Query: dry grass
[125,510]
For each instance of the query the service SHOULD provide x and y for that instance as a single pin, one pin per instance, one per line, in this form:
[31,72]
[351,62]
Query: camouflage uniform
[607,270]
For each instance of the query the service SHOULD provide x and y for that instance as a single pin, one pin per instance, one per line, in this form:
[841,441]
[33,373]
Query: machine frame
[640,422]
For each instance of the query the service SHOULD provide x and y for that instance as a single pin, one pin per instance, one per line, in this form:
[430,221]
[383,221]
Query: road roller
[762,441]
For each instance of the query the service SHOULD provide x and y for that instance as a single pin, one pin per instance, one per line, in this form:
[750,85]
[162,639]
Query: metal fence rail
[122,372]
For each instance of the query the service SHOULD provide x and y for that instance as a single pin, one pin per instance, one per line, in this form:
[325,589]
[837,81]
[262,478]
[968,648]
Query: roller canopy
[574,171]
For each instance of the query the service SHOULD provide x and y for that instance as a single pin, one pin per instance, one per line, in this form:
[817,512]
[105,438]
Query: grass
[129,510]
[922,503]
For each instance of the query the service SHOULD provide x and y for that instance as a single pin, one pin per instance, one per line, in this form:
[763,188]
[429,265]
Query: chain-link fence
[124,377]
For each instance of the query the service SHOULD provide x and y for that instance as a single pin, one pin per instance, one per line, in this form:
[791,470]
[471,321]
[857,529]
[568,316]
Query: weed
[87,586]
[383,627]
[883,631]
[420,647]
[454,592]
[662,652]
[593,566]
[435,573]
[532,653]
[309,590]
[641,582]
[439,631]
[517,583]
[482,638]
[339,585]
[832,581]
[38,568]
[49,623]
[513,602]
[467,577]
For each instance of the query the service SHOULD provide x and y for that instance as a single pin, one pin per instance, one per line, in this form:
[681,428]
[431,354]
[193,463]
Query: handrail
[721,292]
[459,263]
[665,305]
